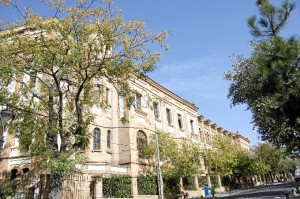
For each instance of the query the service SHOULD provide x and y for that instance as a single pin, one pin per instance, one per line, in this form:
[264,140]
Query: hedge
[117,187]
[147,185]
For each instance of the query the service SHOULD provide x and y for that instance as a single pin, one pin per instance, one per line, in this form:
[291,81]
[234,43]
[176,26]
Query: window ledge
[96,150]
[141,112]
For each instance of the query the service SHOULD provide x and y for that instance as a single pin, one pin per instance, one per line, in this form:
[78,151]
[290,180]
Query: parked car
[297,175]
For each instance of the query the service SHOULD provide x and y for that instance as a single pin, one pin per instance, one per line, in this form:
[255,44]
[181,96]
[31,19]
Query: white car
[297,175]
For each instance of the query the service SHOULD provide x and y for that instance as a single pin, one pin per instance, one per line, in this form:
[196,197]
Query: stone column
[180,184]
[219,181]
[220,187]
[208,180]
[98,187]
[196,183]
[134,187]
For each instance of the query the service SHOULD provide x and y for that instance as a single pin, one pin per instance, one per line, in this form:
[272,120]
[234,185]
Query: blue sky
[203,35]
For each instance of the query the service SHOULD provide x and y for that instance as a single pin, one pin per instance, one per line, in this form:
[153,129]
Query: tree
[224,156]
[268,81]
[55,64]
[269,155]
[180,158]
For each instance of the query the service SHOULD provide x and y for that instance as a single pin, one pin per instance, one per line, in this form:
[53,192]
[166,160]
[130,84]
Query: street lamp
[6,114]
[159,175]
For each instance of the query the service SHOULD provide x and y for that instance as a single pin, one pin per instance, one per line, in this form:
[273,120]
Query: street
[275,191]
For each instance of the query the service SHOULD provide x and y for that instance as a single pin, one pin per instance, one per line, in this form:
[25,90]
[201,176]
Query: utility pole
[159,175]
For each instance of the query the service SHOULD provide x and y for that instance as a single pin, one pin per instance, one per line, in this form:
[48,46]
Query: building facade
[115,145]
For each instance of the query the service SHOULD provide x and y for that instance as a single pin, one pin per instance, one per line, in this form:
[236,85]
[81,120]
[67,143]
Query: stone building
[114,146]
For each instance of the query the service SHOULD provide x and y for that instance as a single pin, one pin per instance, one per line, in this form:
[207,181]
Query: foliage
[272,19]
[223,158]
[147,185]
[287,164]
[171,184]
[54,68]
[268,81]
[117,187]
[214,180]
[188,183]
[230,182]
[6,190]
[266,158]
[245,163]
[263,159]
[202,181]
[269,155]
[179,159]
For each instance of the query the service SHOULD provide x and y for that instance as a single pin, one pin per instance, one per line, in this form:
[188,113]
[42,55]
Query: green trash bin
[212,190]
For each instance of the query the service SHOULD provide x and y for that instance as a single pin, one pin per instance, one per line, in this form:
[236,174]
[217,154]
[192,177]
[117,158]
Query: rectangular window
[192,126]
[156,110]
[107,95]
[108,139]
[138,101]
[169,117]
[97,135]
[180,121]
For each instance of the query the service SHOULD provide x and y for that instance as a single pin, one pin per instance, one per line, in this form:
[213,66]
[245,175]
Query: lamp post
[159,175]
[5,115]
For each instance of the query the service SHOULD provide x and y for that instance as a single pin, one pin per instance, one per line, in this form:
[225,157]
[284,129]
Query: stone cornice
[170,93]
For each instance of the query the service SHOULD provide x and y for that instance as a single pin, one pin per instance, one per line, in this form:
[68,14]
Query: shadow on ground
[274,191]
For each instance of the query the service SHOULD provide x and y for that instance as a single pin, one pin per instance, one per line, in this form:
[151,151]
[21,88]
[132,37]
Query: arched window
[108,139]
[13,174]
[25,170]
[97,135]
[141,141]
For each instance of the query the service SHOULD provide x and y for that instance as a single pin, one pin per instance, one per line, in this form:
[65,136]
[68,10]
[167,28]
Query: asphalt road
[275,191]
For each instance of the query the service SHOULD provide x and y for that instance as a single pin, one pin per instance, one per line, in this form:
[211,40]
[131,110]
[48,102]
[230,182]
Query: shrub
[171,185]
[188,183]
[6,190]
[117,187]
[214,181]
[147,185]
[202,181]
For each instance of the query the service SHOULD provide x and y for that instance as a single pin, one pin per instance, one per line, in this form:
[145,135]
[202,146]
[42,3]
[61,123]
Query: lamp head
[6,113]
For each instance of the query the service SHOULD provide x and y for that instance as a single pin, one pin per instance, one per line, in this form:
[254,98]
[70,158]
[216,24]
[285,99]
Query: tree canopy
[53,71]
[268,81]
[224,156]
[179,158]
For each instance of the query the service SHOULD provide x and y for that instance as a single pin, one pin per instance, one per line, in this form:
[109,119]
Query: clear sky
[203,35]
